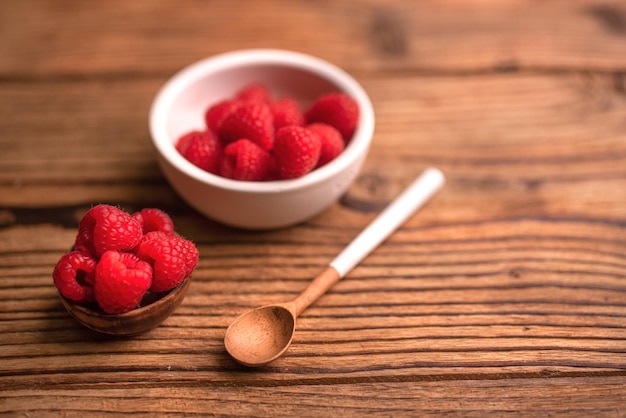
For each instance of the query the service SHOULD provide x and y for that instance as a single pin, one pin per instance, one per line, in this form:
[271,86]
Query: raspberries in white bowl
[253,136]
[122,261]
[258,116]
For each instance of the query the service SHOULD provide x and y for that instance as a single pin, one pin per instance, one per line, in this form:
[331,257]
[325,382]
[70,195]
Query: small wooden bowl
[130,323]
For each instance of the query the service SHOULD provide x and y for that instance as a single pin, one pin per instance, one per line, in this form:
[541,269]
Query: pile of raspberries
[119,258]
[253,137]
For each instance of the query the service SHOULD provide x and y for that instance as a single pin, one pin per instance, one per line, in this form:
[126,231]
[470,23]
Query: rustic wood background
[505,295]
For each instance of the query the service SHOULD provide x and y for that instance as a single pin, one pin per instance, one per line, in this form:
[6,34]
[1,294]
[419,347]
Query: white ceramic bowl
[179,107]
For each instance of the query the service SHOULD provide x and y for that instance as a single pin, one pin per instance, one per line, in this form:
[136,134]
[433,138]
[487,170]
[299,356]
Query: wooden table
[505,294]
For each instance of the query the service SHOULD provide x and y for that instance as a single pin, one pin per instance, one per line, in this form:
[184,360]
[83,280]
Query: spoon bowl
[261,335]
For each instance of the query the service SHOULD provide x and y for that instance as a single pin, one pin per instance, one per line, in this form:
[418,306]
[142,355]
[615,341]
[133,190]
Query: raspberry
[215,114]
[201,148]
[252,115]
[73,275]
[331,140]
[122,279]
[254,92]
[172,259]
[152,219]
[337,110]
[105,228]
[286,112]
[245,160]
[253,121]
[296,150]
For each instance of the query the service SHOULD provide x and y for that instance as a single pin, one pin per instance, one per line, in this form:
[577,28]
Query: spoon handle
[394,215]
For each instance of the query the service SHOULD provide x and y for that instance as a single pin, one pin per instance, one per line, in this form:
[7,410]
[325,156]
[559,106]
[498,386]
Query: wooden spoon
[261,335]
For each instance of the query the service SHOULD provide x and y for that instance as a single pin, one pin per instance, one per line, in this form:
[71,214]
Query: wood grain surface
[505,296]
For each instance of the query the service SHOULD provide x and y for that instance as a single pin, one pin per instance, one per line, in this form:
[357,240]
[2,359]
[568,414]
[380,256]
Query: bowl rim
[169,92]
[130,323]
[164,299]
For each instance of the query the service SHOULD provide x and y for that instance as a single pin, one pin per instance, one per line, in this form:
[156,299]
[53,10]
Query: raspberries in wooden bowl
[126,272]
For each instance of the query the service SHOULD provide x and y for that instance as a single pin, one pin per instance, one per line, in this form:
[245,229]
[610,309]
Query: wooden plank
[530,296]
[598,396]
[536,141]
[42,38]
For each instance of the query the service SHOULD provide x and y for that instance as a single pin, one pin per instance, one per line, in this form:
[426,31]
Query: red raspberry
[296,150]
[105,228]
[73,276]
[172,259]
[201,148]
[331,140]
[215,114]
[122,279]
[253,121]
[286,112]
[337,110]
[153,219]
[245,160]
[254,92]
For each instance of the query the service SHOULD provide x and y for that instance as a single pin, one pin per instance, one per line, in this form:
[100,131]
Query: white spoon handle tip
[394,215]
